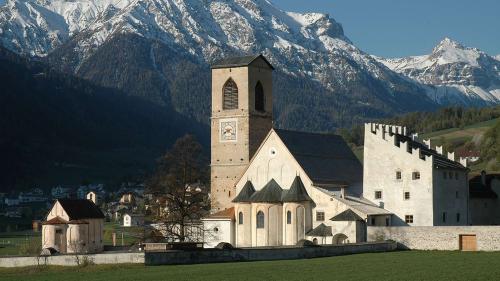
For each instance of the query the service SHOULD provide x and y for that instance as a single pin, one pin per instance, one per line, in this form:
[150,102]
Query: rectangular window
[320,216]
[407,195]
[444,175]
[450,175]
[58,231]
[373,221]
[387,222]
[444,216]
[456,194]
[378,194]
[458,217]
[456,175]
[409,218]
[416,175]
[398,175]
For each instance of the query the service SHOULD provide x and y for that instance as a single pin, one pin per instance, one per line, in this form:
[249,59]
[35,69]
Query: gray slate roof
[321,230]
[347,215]
[326,158]
[440,161]
[270,193]
[246,192]
[81,209]
[297,192]
[238,61]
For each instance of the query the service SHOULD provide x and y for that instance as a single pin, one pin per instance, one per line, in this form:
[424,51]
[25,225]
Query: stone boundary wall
[263,254]
[69,260]
[437,237]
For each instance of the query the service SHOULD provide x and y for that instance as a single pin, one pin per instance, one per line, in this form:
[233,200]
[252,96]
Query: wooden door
[468,242]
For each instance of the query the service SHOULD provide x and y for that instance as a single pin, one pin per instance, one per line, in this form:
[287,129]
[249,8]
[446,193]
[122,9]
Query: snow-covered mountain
[453,73]
[160,50]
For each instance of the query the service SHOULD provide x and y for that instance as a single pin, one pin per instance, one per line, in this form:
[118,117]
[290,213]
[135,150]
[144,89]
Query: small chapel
[274,187]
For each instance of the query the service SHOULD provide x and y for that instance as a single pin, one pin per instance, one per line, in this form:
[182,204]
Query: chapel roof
[321,230]
[347,215]
[326,158]
[246,192]
[297,192]
[81,209]
[239,61]
[224,214]
[270,193]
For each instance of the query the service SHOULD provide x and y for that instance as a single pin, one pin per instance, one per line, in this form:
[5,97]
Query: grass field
[408,265]
[10,243]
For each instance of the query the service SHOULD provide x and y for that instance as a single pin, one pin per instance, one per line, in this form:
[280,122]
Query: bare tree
[181,178]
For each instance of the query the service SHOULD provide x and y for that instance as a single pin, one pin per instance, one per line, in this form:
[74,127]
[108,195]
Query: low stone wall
[263,254]
[437,237]
[70,260]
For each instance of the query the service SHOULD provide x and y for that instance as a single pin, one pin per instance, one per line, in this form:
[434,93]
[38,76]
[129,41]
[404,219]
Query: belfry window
[230,95]
[240,218]
[288,217]
[260,219]
[259,97]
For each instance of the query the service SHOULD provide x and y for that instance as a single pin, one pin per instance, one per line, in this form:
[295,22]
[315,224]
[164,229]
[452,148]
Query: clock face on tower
[228,130]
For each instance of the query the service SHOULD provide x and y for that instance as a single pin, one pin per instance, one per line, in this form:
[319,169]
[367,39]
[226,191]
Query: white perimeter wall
[437,237]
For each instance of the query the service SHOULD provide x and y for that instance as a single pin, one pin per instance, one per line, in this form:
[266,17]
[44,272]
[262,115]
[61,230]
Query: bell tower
[242,114]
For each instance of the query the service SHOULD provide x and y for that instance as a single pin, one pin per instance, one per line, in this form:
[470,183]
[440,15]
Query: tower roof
[239,61]
[270,193]
[297,192]
[246,192]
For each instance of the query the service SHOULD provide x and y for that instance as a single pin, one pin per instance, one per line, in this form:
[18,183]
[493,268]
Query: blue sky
[395,28]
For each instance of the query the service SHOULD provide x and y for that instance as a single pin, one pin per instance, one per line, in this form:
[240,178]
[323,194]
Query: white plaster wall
[382,158]
[57,211]
[243,231]
[217,231]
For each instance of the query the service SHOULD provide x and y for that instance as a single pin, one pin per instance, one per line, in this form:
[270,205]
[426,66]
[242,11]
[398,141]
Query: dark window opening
[240,218]
[320,216]
[259,97]
[288,217]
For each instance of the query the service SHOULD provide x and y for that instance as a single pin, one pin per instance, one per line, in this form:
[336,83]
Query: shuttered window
[230,95]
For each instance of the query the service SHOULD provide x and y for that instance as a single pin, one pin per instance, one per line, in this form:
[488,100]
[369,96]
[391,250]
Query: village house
[73,226]
[133,220]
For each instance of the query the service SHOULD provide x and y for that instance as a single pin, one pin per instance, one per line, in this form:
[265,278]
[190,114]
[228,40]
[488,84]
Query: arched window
[288,217]
[259,97]
[240,218]
[230,95]
[260,219]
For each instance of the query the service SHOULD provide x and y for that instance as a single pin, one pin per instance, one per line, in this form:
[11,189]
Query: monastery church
[276,187]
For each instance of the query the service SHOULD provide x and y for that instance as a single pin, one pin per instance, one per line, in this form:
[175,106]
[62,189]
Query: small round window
[216,229]
[273,152]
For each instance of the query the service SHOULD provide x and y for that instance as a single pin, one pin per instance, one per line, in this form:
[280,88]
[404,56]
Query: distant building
[74,226]
[468,154]
[133,220]
[484,199]
[61,192]
[35,195]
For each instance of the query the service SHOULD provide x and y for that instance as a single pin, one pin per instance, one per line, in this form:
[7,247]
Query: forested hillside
[56,127]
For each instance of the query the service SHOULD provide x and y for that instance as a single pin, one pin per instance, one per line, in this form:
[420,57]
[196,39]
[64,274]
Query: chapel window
[288,217]
[240,218]
[259,97]
[230,95]
[260,219]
